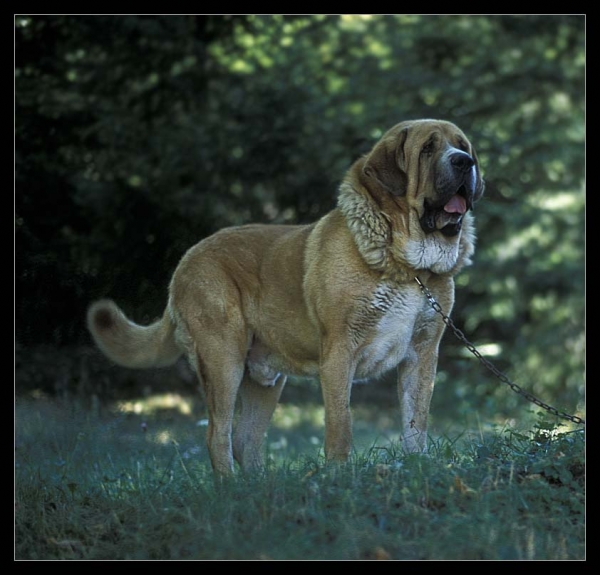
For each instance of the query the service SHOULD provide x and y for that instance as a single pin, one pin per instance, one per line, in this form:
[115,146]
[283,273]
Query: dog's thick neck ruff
[402,253]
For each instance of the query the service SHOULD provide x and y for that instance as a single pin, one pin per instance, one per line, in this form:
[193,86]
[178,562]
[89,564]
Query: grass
[135,483]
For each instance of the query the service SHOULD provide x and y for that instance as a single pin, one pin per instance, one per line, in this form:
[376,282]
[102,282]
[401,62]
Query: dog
[336,299]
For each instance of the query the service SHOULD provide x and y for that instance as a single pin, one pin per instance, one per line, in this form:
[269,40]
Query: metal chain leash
[501,376]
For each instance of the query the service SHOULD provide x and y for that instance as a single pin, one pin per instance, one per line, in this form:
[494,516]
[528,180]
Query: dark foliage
[137,136]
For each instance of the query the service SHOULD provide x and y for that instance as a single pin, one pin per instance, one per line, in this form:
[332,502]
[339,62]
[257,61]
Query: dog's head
[433,166]
[410,198]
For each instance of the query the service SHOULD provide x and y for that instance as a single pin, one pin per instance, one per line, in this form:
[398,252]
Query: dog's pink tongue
[456,205]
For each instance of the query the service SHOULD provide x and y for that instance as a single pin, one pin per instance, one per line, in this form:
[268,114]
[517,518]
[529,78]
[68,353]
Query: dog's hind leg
[217,344]
[220,377]
[257,405]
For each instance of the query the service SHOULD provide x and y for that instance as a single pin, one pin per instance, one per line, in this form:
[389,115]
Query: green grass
[95,484]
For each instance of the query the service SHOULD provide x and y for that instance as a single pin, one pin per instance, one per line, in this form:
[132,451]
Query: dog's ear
[386,163]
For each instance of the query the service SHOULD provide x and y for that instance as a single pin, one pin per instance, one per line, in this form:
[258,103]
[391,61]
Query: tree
[136,136]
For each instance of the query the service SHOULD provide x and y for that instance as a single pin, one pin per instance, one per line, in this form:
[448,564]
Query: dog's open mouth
[447,215]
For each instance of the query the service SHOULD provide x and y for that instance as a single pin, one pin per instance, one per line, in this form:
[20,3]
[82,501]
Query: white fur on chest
[434,252]
[388,341]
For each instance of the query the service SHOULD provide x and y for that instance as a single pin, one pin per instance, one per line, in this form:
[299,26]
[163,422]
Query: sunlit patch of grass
[288,416]
[154,403]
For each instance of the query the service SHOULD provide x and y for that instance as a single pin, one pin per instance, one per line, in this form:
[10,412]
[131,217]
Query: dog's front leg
[416,375]
[337,372]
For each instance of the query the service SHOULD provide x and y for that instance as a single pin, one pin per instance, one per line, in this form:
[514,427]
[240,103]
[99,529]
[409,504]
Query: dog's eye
[462,145]
[427,149]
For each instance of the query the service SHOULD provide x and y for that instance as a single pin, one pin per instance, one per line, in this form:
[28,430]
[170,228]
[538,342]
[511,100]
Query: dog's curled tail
[129,344]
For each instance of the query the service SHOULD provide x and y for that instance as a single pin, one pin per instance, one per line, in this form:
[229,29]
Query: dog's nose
[462,161]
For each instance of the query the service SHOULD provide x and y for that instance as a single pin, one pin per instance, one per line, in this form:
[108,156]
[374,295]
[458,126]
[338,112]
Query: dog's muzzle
[455,190]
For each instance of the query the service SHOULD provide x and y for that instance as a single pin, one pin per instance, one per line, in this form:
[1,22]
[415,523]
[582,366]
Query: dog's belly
[266,366]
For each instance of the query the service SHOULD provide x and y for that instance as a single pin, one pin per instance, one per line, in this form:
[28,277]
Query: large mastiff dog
[336,299]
